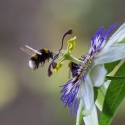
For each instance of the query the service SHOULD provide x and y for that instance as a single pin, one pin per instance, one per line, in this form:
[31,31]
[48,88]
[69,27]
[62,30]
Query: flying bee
[72,67]
[38,57]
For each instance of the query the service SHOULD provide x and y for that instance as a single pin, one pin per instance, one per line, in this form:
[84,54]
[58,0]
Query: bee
[38,57]
[72,67]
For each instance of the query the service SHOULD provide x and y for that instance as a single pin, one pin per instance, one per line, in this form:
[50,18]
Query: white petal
[87,95]
[97,75]
[116,52]
[79,113]
[120,29]
[115,37]
[121,38]
[91,119]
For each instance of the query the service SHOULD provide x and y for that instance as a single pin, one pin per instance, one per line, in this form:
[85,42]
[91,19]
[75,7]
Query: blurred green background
[33,98]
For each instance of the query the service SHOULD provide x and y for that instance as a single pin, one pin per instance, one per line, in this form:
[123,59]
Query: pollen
[58,67]
[71,44]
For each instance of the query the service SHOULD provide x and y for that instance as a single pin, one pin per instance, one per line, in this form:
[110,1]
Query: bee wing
[30,50]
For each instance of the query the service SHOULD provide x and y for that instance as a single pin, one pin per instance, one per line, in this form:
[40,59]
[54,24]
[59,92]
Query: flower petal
[87,95]
[79,113]
[120,29]
[97,75]
[91,119]
[115,37]
[116,52]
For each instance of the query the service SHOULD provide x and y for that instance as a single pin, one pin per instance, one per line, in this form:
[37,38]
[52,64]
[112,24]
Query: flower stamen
[57,55]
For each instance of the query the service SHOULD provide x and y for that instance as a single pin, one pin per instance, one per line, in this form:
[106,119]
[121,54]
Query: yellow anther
[65,54]
[71,44]
[58,67]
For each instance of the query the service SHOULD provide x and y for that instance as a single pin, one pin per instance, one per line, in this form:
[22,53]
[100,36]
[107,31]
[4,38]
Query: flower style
[90,70]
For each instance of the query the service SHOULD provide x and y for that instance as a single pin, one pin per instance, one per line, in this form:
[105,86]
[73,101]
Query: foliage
[114,96]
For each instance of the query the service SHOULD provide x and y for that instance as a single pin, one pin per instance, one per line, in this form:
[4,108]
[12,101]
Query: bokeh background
[33,98]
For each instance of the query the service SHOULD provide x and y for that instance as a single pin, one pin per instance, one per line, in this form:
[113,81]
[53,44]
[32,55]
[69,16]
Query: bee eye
[32,64]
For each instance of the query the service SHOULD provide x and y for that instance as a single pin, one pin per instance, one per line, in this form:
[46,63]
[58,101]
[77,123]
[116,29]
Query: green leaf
[110,66]
[114,96]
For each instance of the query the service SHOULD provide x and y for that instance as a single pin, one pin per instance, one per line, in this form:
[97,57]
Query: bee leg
[37,65]
[42,64]
[31,70]
[47,60]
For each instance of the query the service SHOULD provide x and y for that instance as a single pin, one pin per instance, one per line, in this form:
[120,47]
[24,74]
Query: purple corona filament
[69,97]
[99,40]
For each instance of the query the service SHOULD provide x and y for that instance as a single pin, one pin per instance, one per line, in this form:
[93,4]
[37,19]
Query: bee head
[51,54]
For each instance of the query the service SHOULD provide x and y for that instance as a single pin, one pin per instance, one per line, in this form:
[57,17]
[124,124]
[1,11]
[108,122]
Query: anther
[54,64]
[50,73]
